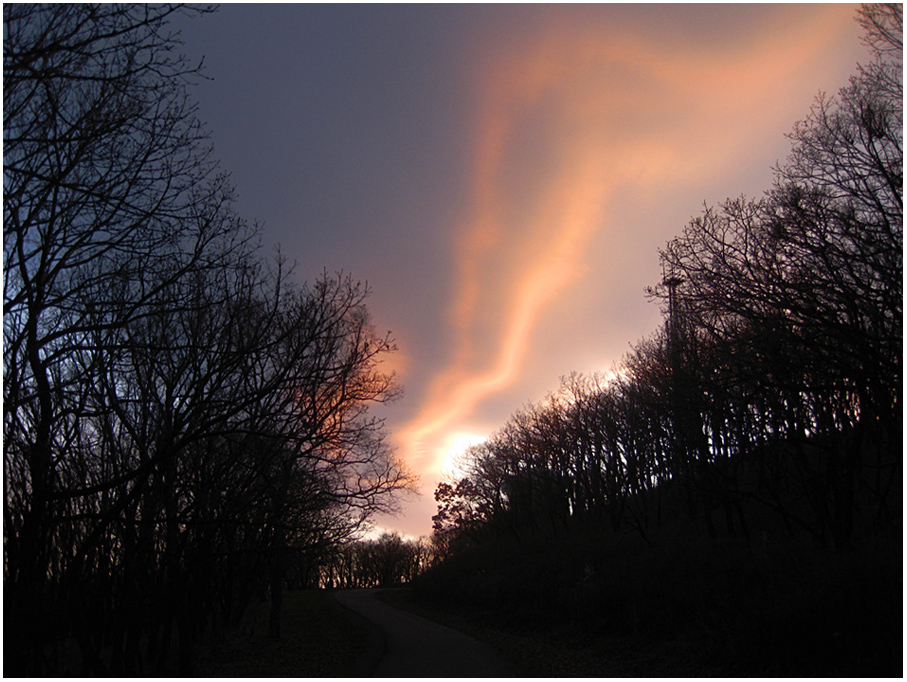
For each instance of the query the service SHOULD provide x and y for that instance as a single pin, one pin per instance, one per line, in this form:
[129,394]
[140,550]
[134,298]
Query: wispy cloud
[567,121]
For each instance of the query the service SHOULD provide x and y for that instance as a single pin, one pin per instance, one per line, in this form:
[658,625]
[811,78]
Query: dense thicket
[181,420]
[769,406]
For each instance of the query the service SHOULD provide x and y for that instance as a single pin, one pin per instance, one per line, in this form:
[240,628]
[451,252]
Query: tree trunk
[276,583]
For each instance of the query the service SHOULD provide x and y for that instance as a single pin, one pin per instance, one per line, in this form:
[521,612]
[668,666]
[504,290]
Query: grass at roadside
[318,639]
[566,652]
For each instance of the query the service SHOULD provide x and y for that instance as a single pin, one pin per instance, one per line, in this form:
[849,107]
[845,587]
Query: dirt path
[416,647]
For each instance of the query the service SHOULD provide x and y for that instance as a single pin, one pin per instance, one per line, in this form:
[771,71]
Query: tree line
[734,483]
[384,561]
[184,423]
[773,388]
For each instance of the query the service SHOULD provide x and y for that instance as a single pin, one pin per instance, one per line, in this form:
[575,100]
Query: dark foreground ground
[321,638]
[570,651]
[415,646]
[374,633]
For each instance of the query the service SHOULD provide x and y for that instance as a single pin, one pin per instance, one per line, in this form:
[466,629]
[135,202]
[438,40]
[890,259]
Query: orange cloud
[612,112]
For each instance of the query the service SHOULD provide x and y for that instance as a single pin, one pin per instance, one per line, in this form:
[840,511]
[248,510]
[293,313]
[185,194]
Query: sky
[501,176]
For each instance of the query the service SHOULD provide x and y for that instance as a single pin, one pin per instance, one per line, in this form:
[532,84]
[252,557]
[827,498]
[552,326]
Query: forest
[189,430]
[185,427]
[738,475]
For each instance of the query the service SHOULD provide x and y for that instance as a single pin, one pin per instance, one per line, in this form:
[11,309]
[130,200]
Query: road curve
[417,647]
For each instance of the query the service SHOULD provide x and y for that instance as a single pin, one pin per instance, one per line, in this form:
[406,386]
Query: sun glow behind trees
[750,448]
[566,124]
[456,446]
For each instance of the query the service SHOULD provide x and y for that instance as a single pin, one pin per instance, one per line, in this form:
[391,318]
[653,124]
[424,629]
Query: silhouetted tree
[179,418]
[459,513]
[108,191]
[777,375]
[387,560]
[806,285]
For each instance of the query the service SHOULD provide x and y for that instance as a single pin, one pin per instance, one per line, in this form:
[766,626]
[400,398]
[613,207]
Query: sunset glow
[455,447]
[615,111]
[542,315]
[503,176]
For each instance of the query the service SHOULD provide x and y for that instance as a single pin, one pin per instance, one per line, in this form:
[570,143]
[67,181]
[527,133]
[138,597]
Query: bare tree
[108,191]
[806,285]
[178,417]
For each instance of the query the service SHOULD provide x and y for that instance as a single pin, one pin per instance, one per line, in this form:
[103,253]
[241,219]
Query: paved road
[417,647]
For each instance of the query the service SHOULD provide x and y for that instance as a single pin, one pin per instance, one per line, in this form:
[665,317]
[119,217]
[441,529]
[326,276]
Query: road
[417,647]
